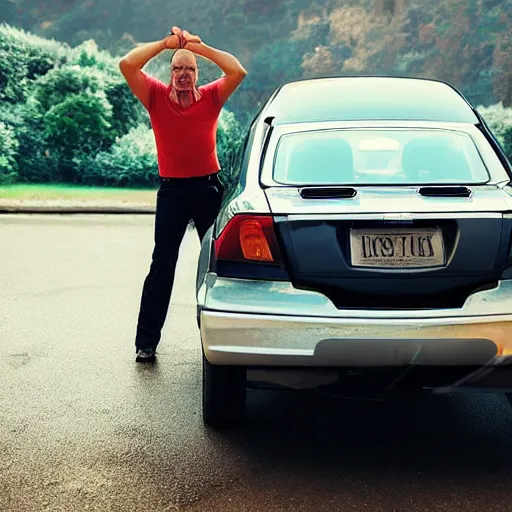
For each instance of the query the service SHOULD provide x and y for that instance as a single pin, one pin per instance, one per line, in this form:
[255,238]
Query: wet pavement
[85,428]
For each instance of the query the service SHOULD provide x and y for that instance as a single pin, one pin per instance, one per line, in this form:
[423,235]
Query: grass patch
[70,192]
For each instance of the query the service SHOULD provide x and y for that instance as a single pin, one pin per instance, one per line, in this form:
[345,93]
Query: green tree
[499,120]
[79,125]
[23,58]
[8,150]
[230,138]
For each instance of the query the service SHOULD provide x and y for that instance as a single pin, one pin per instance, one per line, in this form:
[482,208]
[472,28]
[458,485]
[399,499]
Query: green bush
[499,120]
[88,55]
[33,161]
[127,111]
[84,110]
[76,117]
[60,83]
[130,162]
[78,125]
[23,58]
[8,150]
[230,138]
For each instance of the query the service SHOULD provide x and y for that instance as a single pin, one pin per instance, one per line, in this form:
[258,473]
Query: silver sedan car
[366,249]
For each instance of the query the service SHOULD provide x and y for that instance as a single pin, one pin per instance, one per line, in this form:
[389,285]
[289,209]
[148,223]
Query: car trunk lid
[416,247]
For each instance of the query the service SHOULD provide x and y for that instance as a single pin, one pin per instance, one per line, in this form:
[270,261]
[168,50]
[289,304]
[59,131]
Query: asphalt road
[82,427]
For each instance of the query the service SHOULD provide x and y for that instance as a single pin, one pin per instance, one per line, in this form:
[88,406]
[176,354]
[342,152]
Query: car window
[378,156]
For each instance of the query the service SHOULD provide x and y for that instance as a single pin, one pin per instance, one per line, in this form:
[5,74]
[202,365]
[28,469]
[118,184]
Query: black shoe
[145,355]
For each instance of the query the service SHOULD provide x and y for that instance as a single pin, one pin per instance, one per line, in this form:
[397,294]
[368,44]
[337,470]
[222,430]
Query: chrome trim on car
[393,217]
[282,298]
[385,200]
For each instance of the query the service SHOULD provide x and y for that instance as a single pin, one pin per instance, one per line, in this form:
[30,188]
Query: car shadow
[445,436]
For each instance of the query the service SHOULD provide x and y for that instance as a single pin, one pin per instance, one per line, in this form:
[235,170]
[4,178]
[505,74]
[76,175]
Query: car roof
[369,98]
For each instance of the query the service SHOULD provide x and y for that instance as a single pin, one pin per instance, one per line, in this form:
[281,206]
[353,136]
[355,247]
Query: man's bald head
[185,55]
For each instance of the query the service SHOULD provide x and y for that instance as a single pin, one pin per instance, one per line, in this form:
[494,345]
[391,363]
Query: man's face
[184,71]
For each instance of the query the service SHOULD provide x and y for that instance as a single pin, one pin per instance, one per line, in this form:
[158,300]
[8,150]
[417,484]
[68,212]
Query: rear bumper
[273,325]
[270,340]
[446,358]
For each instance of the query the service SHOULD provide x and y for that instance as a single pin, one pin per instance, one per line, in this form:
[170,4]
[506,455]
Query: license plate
[397,248]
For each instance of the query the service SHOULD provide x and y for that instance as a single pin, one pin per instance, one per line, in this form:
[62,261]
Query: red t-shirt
[185,137]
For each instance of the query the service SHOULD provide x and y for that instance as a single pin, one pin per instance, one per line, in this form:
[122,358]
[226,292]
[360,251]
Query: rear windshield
[366,157]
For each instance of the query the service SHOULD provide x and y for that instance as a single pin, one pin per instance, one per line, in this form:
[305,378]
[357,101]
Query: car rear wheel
[224,394]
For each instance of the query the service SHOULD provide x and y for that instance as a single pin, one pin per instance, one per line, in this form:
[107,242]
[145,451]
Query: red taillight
[249,238]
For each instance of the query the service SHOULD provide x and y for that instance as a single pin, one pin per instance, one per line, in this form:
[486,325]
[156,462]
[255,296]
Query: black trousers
[178,201]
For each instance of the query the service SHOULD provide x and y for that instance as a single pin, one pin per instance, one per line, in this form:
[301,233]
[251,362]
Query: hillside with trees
[66,114]
[465,42]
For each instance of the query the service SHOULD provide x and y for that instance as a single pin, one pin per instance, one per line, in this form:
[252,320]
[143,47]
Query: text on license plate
[397,248]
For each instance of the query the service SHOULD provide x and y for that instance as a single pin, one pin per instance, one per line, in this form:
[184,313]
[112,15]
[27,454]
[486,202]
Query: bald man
[184,119]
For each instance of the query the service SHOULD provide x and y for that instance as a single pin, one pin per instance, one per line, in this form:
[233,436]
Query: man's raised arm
[133,62]
[229,64]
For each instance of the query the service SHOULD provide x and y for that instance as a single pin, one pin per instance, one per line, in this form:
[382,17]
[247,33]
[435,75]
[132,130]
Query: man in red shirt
[184,119]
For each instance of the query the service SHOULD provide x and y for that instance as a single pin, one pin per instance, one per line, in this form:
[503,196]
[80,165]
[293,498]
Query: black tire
[224,394]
